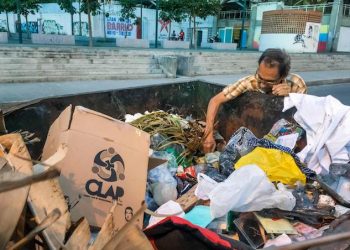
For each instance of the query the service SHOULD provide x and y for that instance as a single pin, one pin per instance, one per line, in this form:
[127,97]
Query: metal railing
[324,8]
[234,14]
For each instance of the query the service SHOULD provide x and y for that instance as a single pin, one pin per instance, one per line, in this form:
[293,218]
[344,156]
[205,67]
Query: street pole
[104,21]
[156,45]
[243,19]
[19,23]
[141,19]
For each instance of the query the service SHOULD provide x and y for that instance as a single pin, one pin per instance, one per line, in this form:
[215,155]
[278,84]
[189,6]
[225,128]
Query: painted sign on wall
[115,27]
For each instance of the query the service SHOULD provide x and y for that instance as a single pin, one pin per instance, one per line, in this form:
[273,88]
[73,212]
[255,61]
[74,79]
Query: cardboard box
[107,161]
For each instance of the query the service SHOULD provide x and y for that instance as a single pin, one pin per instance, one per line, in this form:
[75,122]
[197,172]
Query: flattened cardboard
[106,162]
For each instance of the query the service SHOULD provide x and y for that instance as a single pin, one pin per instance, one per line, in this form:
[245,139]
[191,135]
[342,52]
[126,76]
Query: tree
[90,7]
[27,7]
[67,6]
[128,8]
[7,6]
[171,10]
[201,9]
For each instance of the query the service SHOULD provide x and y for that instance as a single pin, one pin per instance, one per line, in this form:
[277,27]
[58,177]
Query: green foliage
[67,6]
[28,7]
[128,8]
[201,8]
[172,10]
[6,6]
[94,6]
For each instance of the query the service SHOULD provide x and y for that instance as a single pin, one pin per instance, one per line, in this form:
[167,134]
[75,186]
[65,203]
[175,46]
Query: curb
[327,81]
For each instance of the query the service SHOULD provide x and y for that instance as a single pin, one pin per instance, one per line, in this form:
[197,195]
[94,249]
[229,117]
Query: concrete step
[69,55]
[71,66]
[79,50]
[76,61]
[96,72]
[78,78]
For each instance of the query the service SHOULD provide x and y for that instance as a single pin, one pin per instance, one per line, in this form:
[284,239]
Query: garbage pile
[146,184]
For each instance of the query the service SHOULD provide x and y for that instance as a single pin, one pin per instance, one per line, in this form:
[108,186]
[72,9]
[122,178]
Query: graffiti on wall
[33,27]
[84,28]
[312,35]
[309,40]
[3,25]
[52,27]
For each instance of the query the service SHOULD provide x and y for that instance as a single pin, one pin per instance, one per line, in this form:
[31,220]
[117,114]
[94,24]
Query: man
[272,76]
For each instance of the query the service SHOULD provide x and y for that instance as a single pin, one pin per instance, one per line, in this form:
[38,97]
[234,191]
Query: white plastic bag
[248,189]
[204,187]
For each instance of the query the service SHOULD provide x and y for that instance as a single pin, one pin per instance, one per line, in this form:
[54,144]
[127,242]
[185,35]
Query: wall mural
[52,27]
[84,28]
[3,25]
[33,27]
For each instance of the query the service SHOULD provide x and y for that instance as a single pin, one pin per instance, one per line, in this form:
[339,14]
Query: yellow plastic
[278,166]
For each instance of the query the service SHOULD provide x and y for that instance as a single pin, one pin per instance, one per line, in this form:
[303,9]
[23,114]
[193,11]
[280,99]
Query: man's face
[267,76]
[128,214]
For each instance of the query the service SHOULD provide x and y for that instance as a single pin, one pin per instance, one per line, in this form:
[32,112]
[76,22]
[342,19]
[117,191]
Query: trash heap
[144,183]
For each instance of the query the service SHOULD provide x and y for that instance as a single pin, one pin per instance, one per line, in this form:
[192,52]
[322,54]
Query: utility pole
[243,19]
[156,45]
[19,23]
[141,20]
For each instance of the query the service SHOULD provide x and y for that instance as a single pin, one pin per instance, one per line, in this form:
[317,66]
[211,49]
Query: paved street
[339,91]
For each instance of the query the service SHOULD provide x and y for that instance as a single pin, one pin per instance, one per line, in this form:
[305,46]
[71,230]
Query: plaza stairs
[48,64]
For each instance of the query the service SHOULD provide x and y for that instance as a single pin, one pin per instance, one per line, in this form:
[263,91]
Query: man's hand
[282,89]
[209,144]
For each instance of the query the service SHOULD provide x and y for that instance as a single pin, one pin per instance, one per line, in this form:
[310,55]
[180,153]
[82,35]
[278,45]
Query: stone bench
[131,43]
[3,37]
[169,44]
[53,39]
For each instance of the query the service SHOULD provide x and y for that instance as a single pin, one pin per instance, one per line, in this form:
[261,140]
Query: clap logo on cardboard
[109,167]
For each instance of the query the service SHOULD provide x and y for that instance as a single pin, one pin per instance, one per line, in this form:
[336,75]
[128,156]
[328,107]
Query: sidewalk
[23,92]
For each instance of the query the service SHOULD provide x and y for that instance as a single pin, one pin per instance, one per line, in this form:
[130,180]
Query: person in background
[173,35]
[271,77]
[181,35]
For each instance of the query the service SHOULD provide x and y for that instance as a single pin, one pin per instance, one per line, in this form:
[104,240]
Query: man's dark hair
[276,57]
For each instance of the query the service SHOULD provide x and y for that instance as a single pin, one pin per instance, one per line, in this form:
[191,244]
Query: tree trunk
[169,30]
[194,32]
[27,27]
[7,22]
[72,22]
[191,35]
[89,20]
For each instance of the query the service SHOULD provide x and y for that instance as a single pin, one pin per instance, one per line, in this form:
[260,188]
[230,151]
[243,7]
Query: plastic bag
[278,166]
[237,146]
[162,184]
[248,189]
[172,165]
[204,187]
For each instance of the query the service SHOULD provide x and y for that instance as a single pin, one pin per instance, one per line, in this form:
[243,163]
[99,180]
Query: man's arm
[229,93]
[213,107]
